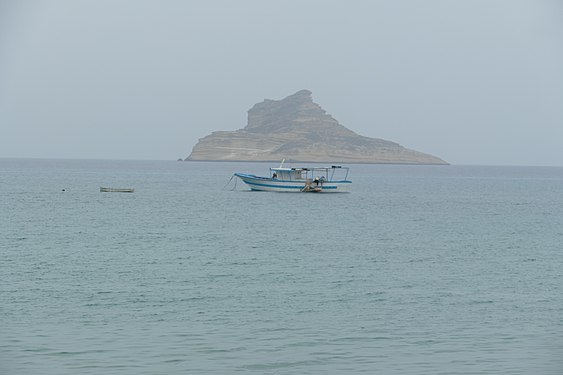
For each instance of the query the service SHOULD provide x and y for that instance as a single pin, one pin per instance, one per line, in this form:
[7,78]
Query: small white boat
[115,190]
[333,179]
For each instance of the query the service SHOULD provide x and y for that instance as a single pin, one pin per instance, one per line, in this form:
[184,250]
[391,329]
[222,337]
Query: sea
[419,270]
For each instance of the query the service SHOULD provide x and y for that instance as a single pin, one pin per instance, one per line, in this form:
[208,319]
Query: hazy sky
[472,81]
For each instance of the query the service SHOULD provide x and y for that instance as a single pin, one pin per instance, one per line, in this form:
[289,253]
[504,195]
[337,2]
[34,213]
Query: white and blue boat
[333,179]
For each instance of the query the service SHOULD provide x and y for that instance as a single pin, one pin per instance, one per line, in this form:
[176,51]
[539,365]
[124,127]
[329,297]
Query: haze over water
[472,82]
[420,270]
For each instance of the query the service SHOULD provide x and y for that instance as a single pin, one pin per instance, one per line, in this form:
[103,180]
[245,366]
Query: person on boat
[274,176]
[317,180]
[322,180]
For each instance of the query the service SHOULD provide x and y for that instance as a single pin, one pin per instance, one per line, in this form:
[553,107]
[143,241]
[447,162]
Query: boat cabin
[288,174]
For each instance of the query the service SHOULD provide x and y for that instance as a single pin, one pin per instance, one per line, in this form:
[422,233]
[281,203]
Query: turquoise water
[420,270]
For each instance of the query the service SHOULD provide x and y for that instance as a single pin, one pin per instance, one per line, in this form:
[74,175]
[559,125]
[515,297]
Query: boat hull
[269,184]
[115,190]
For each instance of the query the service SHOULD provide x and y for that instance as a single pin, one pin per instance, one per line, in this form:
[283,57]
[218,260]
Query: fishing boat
[116,190]
[333,179]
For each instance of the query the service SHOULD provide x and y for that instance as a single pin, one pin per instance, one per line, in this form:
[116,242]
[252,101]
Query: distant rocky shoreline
[299,130]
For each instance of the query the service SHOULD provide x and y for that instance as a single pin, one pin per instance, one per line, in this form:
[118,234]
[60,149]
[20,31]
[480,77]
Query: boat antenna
[281,164]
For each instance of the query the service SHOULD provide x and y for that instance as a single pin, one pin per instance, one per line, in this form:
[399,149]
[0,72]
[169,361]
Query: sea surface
[419,270]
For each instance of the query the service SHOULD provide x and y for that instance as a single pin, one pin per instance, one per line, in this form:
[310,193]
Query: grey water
[420,270]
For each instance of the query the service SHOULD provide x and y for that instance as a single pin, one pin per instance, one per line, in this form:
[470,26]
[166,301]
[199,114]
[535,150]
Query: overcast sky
[473,81]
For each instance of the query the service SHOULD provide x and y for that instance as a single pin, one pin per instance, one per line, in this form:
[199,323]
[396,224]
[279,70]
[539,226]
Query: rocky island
[297,129]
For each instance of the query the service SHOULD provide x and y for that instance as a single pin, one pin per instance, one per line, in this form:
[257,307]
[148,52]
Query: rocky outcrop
[297,129]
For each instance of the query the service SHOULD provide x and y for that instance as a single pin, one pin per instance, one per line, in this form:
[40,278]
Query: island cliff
[297,129]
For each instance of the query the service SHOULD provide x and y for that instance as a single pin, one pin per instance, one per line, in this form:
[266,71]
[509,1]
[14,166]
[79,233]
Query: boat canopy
[293,174]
